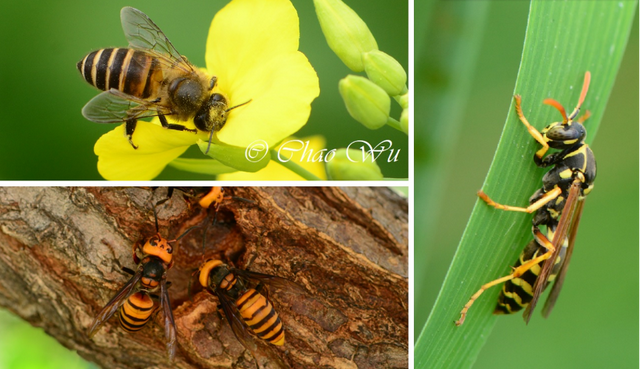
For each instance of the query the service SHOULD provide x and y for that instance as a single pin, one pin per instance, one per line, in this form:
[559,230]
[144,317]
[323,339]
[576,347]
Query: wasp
[135,301]
[244,298]
[557,206]
[150,78]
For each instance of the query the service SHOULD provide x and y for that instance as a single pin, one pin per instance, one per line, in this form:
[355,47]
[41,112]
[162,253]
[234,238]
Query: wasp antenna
[583,94]
[239,105]
[155,215]
[183,234]
[585,88]
[558,106]
[243,199]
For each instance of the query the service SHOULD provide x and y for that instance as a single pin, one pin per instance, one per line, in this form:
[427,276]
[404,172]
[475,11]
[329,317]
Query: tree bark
[62,251]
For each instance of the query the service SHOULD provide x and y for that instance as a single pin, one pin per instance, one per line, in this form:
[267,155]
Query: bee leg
[546,198]
[129,127]
[177,127]
[517,272]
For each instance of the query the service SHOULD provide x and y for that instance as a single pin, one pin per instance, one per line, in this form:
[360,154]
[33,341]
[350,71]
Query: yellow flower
[252,49]
[292,149]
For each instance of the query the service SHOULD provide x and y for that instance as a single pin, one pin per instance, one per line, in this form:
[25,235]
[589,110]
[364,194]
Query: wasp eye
[153,241]
[169,249]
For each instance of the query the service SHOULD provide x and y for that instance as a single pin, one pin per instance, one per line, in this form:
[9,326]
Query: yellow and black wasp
[557,205]
[244,298]
[150,78]
[135,301]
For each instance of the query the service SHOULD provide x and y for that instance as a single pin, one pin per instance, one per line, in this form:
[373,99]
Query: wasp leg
[546,198]
[129,127]
[532,130]
[177,127]
[517,272]
[586,116]
[136,246]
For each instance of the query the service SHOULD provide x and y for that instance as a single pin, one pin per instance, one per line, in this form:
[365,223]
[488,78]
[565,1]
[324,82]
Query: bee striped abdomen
[131,71]
[136,311]
[261,317]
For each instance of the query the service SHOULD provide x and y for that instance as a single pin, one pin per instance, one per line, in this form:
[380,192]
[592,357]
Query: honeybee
[150,277]
[244,299]
[150,78]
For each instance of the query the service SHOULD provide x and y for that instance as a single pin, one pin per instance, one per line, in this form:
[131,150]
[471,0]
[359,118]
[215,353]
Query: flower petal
[157,146]
[252,49]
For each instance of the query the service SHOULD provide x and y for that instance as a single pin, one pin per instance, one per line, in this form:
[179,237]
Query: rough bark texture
[62,251]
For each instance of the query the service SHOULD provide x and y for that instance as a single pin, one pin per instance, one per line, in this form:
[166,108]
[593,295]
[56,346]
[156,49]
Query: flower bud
[366,102]
[404,121]
[346,33]
[403,100]
[351,165]
[383,70]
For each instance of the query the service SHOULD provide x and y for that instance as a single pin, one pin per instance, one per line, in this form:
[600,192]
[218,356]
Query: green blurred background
[44,135]
[595,323]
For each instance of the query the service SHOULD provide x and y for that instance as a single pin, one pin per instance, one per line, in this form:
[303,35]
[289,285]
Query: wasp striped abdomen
[133,72]
[517,293]
[136,311]
[261,317]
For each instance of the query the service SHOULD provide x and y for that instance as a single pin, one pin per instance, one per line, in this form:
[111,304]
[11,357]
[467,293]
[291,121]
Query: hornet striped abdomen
[133,72]
[260,316]
[243,296]
[136,311]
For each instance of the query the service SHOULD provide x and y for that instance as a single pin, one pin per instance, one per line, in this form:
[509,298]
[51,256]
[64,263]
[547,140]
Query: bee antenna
[237,106]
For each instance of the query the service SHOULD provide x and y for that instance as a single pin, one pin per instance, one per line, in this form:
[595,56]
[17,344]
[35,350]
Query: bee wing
[114,304]
[169,322]
[145,35]
[557,285]
[115,106]
[566,219]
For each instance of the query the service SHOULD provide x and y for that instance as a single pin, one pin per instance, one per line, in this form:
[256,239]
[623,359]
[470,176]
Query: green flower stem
[395,124]
[294,167]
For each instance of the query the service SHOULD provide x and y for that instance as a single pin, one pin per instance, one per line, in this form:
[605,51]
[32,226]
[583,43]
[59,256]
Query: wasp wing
[239,328]
[169,322]
[566,219]
[557,285]
[114,304]
[115,106]
[146,36]
[241,331]
[280,283]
